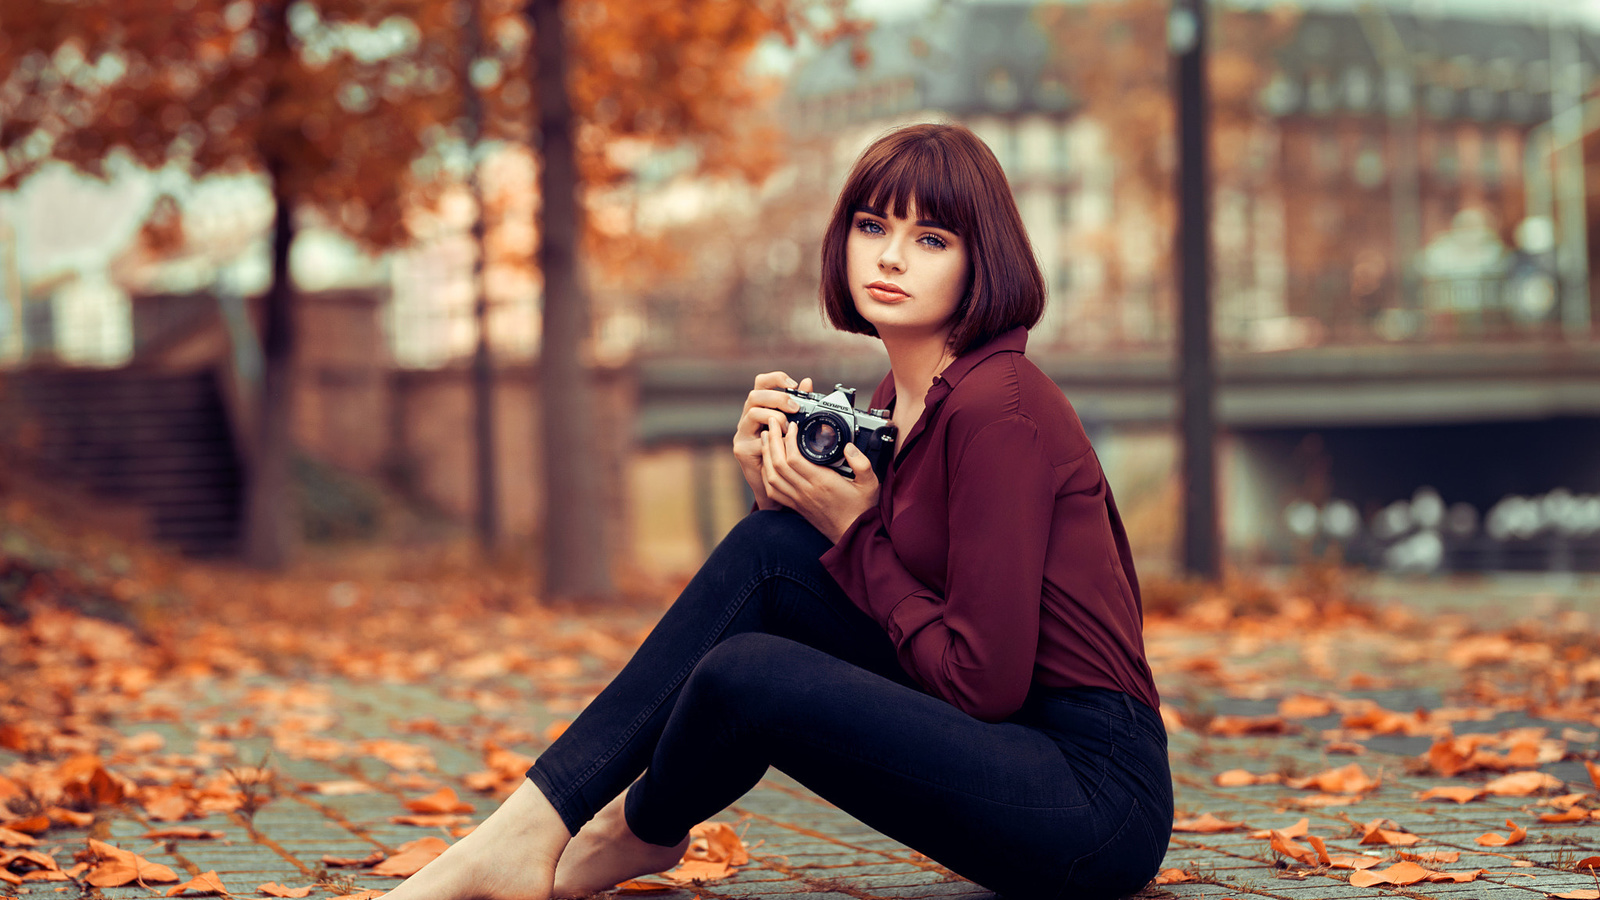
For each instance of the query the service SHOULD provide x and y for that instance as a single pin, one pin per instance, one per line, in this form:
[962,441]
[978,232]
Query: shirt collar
[1013,341]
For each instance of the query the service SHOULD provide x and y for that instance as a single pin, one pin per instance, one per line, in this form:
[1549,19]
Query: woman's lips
[884,292]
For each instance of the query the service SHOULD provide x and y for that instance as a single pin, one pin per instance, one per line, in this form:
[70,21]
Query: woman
[953,656]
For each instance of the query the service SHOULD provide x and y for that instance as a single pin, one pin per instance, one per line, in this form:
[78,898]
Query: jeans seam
[729,612]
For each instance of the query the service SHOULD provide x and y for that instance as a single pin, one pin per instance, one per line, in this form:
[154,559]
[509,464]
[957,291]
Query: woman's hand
[764,411]
[828,500]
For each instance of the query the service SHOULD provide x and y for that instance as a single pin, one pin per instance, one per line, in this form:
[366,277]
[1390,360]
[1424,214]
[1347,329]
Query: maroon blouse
[995,557]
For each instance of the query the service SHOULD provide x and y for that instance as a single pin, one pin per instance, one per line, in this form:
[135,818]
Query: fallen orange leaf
[32,825]
[403,756]
[1375,833]
[1590,862]
[1399,873]
[1205,823]
[1521,784]
[69,818]
[9,838]
[430,820]
[1575,814]
[183,833]
[1291,849]
[1317,801]
[167,805]
[1594,772]
[716,842]
[1175,876]
[1298,829]
[1566,801]
[118,867]
[410,857]
[1348,779]
[1580,894]
[444,800]
[1459,794]
[1490,839]
[714,850]
[342,788]
[1432,856]
[371,859]
[274,889]
[1340,862]
[699,870]
[1304,706]
[646,886]
[1236,726]
[1243,778]
[204,883]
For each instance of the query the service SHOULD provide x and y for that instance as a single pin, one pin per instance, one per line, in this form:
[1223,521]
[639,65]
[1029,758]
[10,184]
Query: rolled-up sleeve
[974,645]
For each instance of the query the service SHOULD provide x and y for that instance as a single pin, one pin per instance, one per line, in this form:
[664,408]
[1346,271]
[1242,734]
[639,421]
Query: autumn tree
[329,101]
[353,111]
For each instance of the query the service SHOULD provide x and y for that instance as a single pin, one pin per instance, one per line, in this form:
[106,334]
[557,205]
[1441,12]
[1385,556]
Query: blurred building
[1398,183]
[1407,155]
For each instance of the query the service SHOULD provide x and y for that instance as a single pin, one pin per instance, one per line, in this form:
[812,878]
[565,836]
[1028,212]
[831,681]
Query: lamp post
[1186,38]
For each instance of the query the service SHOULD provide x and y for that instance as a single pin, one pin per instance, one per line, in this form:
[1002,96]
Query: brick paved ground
[803,846]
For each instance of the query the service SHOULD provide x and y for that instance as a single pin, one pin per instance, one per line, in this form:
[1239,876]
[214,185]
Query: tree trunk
[270,509]
[576,558]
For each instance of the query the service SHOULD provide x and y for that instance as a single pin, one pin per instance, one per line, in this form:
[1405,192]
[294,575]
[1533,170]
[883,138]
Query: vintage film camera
[828,422]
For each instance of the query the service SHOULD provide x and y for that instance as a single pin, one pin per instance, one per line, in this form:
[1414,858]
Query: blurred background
[1405,207]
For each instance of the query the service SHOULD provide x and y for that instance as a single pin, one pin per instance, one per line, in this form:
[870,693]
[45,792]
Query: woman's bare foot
[510,856]
[606,853]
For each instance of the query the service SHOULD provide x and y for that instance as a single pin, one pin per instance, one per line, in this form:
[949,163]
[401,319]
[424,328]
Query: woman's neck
[914,362]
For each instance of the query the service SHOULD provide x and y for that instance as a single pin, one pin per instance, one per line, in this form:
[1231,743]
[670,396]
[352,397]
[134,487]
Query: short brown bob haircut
[955,180]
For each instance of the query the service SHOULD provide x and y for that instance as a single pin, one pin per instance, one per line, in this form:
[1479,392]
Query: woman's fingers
[861,466]
[772,381]
[757,418]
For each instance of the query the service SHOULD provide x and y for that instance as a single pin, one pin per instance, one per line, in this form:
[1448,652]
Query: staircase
[158,439]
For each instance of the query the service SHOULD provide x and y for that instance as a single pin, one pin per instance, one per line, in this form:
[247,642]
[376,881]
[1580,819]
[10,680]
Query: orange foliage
[1515,836]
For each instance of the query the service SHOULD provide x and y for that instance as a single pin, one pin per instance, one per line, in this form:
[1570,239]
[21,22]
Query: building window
[1481,102]
[1369,169]
[1004,139]
[1492,171]
[1061,150]
[1446,156]
[1280,96]
[1327,153]
[1001,89]
[1358,88]
[1319,95]
[1441,101]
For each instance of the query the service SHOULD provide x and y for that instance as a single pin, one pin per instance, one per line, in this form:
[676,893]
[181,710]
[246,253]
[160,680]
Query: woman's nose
[890,260]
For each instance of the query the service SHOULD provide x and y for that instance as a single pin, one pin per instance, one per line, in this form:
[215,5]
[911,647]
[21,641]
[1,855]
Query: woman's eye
[868,226]
[933,240]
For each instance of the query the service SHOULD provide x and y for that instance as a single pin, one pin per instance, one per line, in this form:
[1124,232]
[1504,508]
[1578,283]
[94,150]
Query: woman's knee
[738,673]
[774,534]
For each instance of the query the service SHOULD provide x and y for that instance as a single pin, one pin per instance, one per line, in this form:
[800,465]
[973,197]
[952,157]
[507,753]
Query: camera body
[828,422]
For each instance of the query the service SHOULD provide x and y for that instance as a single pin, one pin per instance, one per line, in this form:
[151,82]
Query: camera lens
[822,438]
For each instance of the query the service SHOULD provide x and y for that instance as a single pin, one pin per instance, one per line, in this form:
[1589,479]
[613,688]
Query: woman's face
[907,276]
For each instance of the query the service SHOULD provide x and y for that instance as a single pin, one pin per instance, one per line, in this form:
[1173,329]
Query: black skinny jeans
[763,661]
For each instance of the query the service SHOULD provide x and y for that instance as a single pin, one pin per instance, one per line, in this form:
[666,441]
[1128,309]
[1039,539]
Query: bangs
[920,175]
